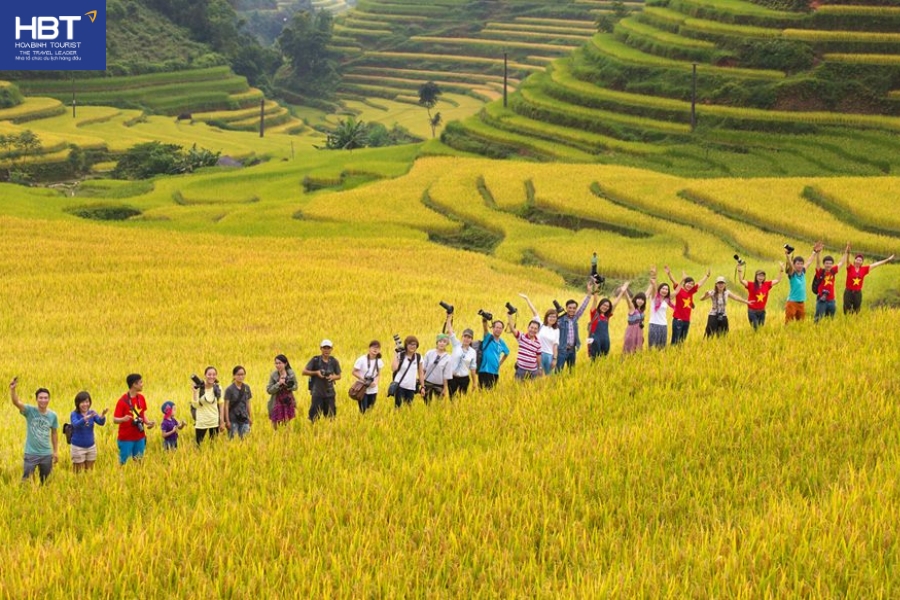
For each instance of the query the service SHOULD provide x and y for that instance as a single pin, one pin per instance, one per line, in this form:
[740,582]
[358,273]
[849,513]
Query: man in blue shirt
[795,309]
[569,340]
[41,440]
[493,353]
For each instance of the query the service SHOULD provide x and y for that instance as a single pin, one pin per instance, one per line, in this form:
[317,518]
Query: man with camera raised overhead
[324,371]
[494,351]
[132,420]
[795,267]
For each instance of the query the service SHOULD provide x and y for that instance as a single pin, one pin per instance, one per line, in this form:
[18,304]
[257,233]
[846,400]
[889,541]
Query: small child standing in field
[170,426]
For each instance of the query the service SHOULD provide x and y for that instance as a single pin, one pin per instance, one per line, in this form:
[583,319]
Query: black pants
[367,403]
[716,325]
[487,381]
[404,395]
[201,433]
[322,405]
[458,385]
[852,301]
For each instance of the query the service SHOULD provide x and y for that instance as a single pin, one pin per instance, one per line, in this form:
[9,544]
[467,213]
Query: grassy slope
[753,466]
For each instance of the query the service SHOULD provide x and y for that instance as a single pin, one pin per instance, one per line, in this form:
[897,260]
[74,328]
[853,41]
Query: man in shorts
[795,309]
[41,439]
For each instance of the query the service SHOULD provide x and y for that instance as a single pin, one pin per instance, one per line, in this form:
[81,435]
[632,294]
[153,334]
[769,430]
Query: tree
[304,43]
[350,134]
[429,94]
[607,21]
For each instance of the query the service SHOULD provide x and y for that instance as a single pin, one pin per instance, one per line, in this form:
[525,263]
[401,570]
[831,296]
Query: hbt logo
[47,28]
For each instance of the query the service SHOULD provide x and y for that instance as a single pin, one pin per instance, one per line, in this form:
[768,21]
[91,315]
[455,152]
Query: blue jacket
[83,429]
[564,333]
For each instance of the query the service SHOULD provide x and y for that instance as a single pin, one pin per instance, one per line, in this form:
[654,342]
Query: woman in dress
[281,387]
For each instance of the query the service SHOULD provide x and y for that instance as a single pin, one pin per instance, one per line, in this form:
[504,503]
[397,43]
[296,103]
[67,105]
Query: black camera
[289,383]
[558,307]
[447,307]
[485,315]
[788,248]
[398,343]
[139,424]
[198,383]
[510,309]
[739,260]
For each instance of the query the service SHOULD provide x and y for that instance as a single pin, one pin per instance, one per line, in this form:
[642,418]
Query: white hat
[326,344]
[720,279]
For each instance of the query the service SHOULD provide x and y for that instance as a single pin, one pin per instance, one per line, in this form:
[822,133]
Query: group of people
[454,366]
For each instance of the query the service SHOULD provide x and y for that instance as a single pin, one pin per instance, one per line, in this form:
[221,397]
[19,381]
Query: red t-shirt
[826,290]
[127,430]
[855,277]
[758,294]
[684,303]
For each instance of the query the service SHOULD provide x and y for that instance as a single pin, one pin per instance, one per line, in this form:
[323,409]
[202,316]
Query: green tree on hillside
[429,93]
[304,43]
[349,135]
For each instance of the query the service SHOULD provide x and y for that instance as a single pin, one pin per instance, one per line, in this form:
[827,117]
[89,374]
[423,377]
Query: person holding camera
[438,368]
[465,361]
[323,370]
[238,417]
[528,358]
[209,407]
[494,353]
[856,273]
[569,340]
[84,446]
[548,335]
[823,284]
[684,303]
[717,321]
[130,415]
[41,437]
[795,307]
[281,387]
[367,369]
[758,293]
[410,381]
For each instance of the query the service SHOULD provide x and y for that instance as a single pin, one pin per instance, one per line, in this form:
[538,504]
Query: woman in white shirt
[548,336]
[659,303]
[368,370]
[464,360]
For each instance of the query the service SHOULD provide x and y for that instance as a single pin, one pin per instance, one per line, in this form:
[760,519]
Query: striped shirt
[529,352]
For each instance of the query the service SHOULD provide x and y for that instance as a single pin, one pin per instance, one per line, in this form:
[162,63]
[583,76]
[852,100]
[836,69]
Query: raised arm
[449,325]
[875,265]
[817,252]
[672,279]
[534,311]
[788,263]
[740,273]
[844,257]
[14,396]
[705,278]
[777,280]
[623,291]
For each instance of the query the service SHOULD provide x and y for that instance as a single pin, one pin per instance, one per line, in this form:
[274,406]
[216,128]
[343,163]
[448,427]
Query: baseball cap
[720,279]
[326,344]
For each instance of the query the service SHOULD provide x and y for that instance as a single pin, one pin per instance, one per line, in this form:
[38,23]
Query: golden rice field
[759,465]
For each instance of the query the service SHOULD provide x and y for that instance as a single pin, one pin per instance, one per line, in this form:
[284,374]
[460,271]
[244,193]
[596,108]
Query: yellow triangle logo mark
[92,14]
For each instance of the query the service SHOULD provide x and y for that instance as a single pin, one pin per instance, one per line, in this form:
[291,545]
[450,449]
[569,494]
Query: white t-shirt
[463,362]
[369,368]
[549,337]
[438,367]
[658,315]
[410,381]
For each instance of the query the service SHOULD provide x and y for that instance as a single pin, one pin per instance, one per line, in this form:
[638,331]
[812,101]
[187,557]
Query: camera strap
[408,365]
[131,407]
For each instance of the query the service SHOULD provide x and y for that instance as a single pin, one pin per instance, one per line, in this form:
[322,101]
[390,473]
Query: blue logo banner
[53,35]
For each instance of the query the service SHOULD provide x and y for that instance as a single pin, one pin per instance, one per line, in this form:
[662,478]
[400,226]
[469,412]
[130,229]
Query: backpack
[217,392]
[480,347]
[817,281]
[68,430]
[318,367]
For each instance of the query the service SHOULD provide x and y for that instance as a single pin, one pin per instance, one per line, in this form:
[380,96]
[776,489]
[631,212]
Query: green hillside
[776,92]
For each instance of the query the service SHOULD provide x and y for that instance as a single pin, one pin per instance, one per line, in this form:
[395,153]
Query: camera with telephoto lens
[739,260]
[510,309]
[447,307]
[597,277]
[398,343]
[788,248]
[198,383]
[558,307]
[485,315]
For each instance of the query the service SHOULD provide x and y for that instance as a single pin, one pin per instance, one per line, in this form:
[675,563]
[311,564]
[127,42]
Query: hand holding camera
[398,344]
[485,315]
[198,383]
[739,260]
[446,307]
[788,249]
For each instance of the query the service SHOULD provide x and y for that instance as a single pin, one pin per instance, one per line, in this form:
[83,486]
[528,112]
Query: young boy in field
[41,440]
[170,426]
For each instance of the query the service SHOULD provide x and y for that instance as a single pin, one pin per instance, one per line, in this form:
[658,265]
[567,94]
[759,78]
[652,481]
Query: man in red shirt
[683,303]
[132,421]
[758,294]
[826,271]
[856,273]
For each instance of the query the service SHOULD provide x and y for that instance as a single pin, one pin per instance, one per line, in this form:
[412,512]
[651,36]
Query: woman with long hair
[281,387]
[717,321]
[209,407]
[634,332]
[599,326]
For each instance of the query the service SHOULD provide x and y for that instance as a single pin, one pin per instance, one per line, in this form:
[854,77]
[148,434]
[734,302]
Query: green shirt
[37,439]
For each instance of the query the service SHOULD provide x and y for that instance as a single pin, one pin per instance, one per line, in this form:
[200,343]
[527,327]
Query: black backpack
[480,347]
[817,281]
[318,367]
